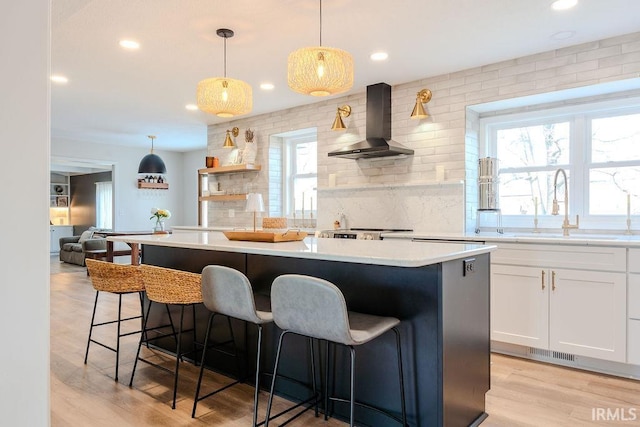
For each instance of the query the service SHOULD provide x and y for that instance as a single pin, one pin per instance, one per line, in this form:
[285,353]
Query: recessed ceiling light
[191,107]
[266,86]
[563,35]
[57,78]
[563,4]
[129,44]
[379,56]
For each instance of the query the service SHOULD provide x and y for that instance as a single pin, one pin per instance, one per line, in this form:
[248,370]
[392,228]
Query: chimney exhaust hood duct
[378,141]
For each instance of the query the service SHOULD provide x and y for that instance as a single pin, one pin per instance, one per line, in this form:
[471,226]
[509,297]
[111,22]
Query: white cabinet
[587,313]
[56,232]
[633,306]
[569,299]
[519,305]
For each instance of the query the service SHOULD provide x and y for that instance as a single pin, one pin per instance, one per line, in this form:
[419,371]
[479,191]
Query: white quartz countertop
[400,253]
[575,238]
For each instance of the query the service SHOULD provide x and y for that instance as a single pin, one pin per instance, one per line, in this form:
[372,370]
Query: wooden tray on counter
[266,236]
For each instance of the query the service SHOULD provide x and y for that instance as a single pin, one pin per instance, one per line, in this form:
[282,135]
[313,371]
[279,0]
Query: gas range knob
[323,235]
[367,236]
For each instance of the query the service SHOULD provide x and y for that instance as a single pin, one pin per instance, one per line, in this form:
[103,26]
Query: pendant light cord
[320,22]
[225,56]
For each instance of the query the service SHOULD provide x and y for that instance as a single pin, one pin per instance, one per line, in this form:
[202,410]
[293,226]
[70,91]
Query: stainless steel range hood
[378,141]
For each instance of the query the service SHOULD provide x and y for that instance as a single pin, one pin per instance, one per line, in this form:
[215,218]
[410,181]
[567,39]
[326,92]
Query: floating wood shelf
[232,168]
[154,185]
[223,197]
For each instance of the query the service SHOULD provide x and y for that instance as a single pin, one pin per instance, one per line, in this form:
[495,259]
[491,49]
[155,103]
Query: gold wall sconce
[344,111]
[228,142]
[423,97]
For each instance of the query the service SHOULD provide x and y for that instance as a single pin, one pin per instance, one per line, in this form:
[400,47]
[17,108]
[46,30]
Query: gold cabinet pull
[542,281]
[553,280]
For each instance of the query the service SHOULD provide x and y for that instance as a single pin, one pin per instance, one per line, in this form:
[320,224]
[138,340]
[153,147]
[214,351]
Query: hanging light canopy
[320,70]
[223,96]
[152,163]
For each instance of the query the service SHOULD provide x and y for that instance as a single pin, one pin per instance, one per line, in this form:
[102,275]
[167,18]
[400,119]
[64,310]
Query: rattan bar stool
[169,286]
[117,279]
[228,292]
[316,308]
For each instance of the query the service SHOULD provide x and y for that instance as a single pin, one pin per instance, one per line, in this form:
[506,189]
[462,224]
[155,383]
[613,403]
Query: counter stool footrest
[218,390]
[148,362]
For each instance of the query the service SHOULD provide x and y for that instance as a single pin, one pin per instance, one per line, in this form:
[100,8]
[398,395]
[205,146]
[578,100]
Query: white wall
[191,162]
[133,205]
[24,253]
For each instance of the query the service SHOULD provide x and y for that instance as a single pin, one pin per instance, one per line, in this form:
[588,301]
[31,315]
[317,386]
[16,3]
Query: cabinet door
[588,314]
[519,305]
[56,233]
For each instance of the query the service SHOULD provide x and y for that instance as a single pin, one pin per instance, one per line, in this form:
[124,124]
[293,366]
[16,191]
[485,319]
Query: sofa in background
[73,249]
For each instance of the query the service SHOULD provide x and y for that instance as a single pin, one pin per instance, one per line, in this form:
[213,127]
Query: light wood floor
[523,393]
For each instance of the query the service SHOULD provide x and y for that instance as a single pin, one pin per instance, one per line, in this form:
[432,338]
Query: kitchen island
[439,291]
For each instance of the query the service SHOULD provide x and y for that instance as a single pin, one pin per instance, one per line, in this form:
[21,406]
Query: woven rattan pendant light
[223,96]
[320,70]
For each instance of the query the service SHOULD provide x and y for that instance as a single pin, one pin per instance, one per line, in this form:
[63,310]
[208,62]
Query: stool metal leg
[352,386]
[206,346]
[257,390]
[326,382]
[313,375]
[178,357]
[118,336]
[402,397]
[142,337]
[195,339]
[273,380]
[93,317]
[204,353]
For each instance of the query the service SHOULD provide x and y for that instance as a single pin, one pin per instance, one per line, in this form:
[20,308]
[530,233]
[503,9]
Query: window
[293,173]
[104,197]
[598,147]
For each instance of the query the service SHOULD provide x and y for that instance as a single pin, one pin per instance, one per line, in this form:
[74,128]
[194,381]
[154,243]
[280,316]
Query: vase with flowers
[160,215]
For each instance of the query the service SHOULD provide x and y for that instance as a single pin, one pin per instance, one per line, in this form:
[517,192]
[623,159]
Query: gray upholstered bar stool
[228,292]
[316,308]
[119,279]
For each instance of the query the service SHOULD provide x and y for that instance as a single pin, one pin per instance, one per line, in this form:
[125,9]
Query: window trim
[580,117]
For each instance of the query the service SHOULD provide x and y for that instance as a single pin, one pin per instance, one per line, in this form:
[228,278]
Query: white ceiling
[119,97]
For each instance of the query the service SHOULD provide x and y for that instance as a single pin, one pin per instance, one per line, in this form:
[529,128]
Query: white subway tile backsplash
[603,52]
[633,46]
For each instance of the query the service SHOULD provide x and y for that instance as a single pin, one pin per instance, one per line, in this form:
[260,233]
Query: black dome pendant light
[152,163]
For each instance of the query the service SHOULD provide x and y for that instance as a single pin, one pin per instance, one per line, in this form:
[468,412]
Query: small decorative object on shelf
[160,215]
[250,149]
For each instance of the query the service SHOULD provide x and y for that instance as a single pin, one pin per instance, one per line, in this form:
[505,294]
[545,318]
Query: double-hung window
[293,173]
[598,147]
